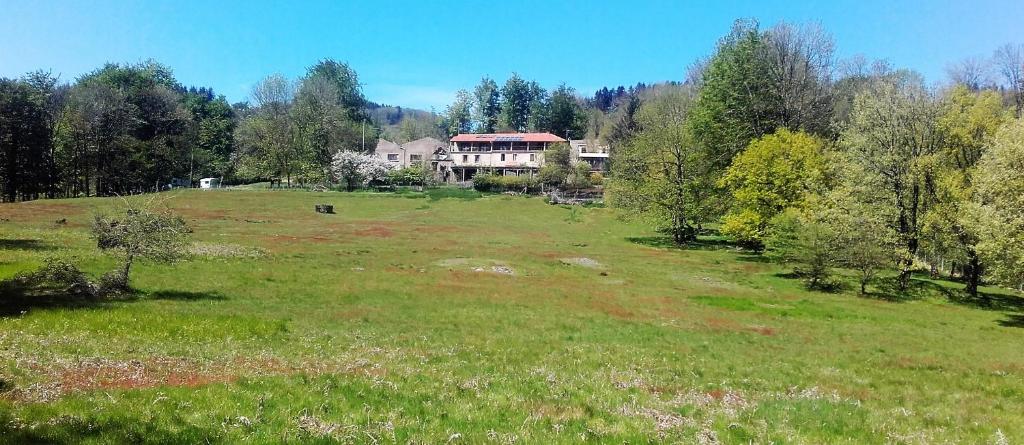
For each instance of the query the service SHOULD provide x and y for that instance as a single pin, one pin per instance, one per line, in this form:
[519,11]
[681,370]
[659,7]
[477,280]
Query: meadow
[447,317]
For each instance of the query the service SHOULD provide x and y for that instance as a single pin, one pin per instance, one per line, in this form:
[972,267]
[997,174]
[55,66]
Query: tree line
[131,128]
[827,164]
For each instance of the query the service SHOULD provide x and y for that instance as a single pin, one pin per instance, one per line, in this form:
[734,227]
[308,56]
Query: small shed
[209,183]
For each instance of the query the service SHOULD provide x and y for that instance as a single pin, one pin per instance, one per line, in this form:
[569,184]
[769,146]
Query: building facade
[592,152]
[512,154]
[418,152]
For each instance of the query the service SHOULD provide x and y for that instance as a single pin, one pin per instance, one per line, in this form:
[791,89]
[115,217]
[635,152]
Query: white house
[591,152]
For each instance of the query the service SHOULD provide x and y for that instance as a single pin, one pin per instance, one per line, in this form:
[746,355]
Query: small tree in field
[139,232]
[808,243]
[866,242]
[354,169]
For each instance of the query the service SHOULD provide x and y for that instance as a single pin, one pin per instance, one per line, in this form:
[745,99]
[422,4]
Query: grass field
[494,319]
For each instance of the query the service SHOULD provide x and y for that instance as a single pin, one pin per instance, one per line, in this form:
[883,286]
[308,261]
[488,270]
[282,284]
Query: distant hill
[401,124]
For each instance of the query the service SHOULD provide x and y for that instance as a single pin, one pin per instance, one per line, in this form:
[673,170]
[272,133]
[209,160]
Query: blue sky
[418,53]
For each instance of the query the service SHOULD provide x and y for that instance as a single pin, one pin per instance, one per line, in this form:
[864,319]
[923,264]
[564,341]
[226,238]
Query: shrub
[140,233]
[810,245]
[57,276]
[498,183]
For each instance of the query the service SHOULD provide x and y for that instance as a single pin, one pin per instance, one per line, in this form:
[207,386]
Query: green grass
[374,325]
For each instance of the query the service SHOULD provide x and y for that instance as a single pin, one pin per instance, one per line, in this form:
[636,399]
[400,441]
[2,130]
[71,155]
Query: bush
[810,245]
[57,276]
[498,183]
[415,175]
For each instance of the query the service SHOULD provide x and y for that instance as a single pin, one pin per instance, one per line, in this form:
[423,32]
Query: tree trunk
[972,272]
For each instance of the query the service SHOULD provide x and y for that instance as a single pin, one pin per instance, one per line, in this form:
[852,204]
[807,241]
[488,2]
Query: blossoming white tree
[354,168]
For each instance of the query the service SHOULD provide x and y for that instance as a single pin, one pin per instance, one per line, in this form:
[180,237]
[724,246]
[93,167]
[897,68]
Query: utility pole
[362,133]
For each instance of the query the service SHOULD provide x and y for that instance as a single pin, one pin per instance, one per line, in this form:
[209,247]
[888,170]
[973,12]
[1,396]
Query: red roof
[507,137]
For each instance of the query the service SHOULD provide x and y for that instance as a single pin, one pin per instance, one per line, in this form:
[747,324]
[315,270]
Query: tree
[269,141]
[892,138]
[1009,60]
[25,141]
[800,61]
[516,99]
[662,174]
[141,232]
[459,115]
[759,81]
[346,91]
[212,133]
[972,73]
[566,117]
[968,121]
[1000,183]
[865,241]
[354,168]
[487,106]
[736,100]
[539,108]
[808,242]
[775,172]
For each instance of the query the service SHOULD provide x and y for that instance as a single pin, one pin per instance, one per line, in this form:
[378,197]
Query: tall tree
[968,121]
[1009,60]
[566,117]
[25,139]
[1000,182]
[892,138]
[775,172]
[487,107]
[516,99]
[458,116]
[662,175]
[268,139]
[736,102]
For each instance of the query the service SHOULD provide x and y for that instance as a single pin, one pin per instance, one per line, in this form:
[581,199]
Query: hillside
[478,319]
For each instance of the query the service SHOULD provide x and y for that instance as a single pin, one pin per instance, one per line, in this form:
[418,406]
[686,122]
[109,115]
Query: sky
[419,53]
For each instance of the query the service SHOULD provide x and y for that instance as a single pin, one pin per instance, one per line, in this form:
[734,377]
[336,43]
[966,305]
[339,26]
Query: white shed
[209,183]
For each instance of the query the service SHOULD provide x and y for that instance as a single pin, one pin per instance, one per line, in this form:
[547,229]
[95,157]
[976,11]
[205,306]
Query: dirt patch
[35,211]
[613,309]
[375,232]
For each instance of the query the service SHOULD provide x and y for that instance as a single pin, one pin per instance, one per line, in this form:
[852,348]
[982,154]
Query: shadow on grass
[104,430]
[666,242]
[1013,321]
[24,244]
[16,300]
[177,295]
[888,289]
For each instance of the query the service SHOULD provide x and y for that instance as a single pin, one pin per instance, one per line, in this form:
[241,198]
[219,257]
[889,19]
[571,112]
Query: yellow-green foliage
[774,172]
[1000,181]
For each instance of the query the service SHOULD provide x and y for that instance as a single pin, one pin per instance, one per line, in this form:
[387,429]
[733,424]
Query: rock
[583,261]
[502,270]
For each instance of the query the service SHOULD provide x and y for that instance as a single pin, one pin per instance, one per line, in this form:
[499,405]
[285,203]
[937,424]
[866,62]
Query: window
[476,159]
[533,157]
[503,157]
[514,156]
[465,158]
[393,157]
[416,159]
